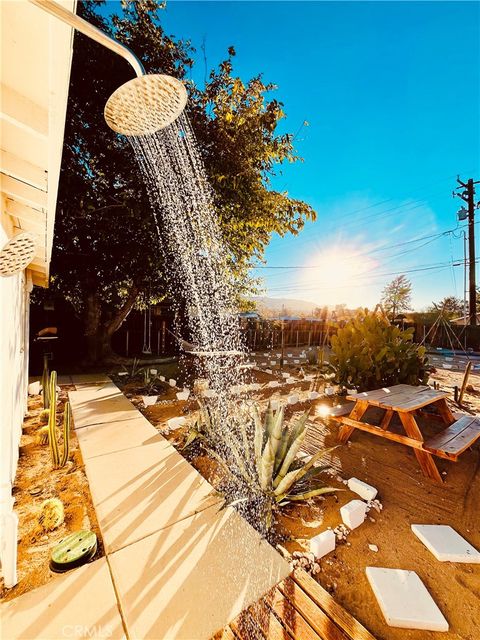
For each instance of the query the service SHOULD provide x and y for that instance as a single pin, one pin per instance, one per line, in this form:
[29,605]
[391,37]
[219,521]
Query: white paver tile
[189,580]
[404,600]
[445,543]
[79,604]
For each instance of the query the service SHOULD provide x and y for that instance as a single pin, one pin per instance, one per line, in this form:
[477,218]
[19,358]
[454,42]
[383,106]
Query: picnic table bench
[407,402]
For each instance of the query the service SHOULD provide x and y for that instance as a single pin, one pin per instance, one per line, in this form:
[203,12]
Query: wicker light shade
[145,105]
[17,254]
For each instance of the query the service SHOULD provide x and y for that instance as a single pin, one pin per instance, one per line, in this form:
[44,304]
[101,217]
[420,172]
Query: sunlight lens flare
[337,267]
[323,410]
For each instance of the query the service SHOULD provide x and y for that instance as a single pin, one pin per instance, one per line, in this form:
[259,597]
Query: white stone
[279,355]
[268,371]
[34,388]
[149,400]
[273,363]
[404,600]
[289,355]
[323,543]
[290,380]
[296,362]
[353,513]
[274,383]
[209,393]
[275,404]
[364,490]
[172,382]
[293,398]
[373,547]
[285,375]
[176,423]
[153,372]
[162,378]
[263,364]
[445,543]
[329,391]
[183,395]
[313,395]
[123,373]
[265,355]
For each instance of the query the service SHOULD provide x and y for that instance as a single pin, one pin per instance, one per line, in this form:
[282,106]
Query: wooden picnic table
[408,402]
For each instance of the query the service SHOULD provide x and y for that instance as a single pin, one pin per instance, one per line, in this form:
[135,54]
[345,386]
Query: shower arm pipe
[78,23]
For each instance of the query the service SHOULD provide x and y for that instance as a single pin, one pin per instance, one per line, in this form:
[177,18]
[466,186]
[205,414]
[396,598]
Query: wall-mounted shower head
[145,105]
[141,106]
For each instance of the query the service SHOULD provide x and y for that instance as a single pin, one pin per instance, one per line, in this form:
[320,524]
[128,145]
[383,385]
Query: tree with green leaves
[449,307]
[106,252]
[396,297]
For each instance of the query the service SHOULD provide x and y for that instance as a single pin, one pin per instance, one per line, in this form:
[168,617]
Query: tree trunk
[98,332]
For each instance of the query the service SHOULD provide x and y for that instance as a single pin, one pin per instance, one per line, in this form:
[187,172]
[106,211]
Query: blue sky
[391,94]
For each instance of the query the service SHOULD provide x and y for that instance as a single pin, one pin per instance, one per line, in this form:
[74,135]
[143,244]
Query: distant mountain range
[289,305]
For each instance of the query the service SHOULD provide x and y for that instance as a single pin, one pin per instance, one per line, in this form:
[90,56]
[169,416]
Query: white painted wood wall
[14,329]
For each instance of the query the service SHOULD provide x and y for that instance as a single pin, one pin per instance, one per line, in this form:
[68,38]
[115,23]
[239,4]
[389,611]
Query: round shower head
[17,254]
[145,104]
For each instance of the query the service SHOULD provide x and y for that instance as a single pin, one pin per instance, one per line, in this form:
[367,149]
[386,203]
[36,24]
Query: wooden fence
[134,337]
[268,334]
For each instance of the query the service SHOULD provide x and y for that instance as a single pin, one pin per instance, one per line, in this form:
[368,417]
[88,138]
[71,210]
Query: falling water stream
[199,274]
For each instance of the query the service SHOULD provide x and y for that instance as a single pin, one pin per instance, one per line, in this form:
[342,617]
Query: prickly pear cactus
[369,353]
[51,514]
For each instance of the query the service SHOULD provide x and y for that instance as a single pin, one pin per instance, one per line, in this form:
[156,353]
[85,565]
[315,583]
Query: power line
[358,285]
[381,213]
[434,266]
[468,196]
[354,256]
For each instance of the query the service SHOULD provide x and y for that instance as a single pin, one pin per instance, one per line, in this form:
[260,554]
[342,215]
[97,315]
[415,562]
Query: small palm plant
[260,456]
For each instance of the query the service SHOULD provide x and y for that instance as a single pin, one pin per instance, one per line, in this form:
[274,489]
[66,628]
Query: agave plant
[280,473]
[135,369]
[262,456]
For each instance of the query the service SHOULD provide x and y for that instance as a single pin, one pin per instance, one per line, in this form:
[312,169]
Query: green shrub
[369,353]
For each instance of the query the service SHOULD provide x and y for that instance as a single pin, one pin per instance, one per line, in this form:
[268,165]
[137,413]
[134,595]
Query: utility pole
[468,196]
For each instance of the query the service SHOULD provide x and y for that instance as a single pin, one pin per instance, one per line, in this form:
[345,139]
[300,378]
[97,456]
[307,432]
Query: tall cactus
[45,383]
[57,459]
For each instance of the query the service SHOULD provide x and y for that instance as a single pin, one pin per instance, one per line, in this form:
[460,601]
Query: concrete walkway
[177,565]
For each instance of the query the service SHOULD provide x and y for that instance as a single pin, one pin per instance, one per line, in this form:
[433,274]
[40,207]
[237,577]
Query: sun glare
[337,273]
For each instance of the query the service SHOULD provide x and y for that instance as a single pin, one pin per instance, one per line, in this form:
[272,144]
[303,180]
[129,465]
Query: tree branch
[124,310]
